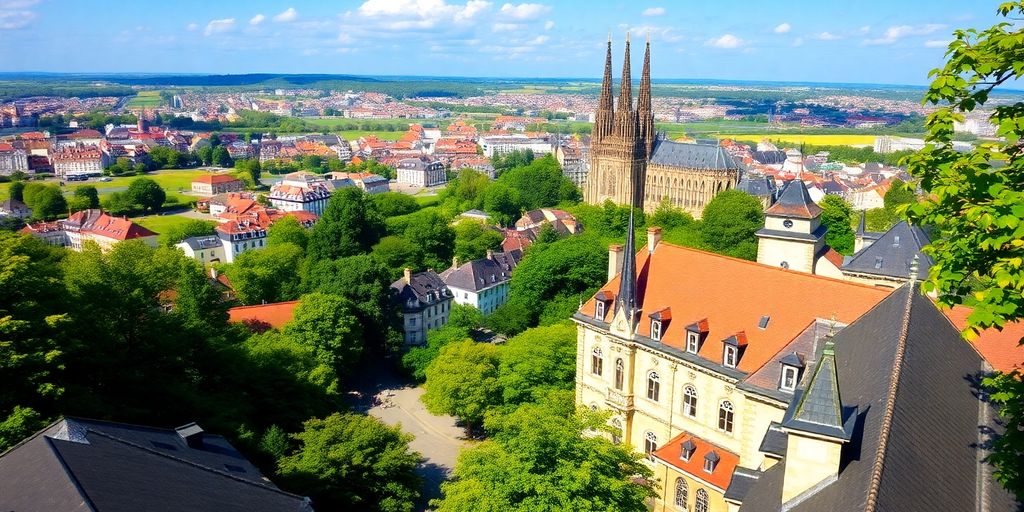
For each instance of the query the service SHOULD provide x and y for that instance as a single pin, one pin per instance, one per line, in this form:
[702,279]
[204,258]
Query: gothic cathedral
[631,164]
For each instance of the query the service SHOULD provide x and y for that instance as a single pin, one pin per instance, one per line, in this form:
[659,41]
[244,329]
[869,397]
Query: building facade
[214,184]
[300,191]
[12,159]
[629,159]
[483,283]
[426,303]
[90,226]
[421,172]
[77,161]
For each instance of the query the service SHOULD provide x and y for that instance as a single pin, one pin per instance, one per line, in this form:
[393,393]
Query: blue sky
[894,41]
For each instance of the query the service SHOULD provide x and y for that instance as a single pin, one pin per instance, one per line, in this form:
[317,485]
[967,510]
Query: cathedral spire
[625,116]
[605,108]
[643,105]
[626,90]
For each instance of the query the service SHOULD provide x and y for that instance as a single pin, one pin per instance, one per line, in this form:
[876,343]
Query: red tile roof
[671,454]
[214,179]
[1002,349]
[276,314]
[97,222]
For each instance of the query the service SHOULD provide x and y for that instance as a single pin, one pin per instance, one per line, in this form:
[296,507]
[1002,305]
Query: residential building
[629,159]
[90,226]
[425,301]
[562,221]
[300,191]
[482,283]
[12,159]
[15,208]
[760,186]
[503,144]
[247,231]
[78,464]
[367,182]
[204,249]
[260,316]
[870,197]
[421,172]
[77,161]
[887,260]
[212,184]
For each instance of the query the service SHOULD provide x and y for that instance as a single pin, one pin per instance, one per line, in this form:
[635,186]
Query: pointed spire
[861,223]
[626,89]
[818,408]
[645,114]
[626,299]
[605,107]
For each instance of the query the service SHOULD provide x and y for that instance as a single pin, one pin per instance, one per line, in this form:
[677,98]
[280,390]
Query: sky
[867,41]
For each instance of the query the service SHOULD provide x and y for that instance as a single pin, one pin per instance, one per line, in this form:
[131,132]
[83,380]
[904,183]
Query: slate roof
[742,480]
[422,288]
[88,465]
[892,253]
[757,185]
[775,441]
[775,157]
[482,273]
[794,201]
[199,243]
[929,457]
[692,156]
[818,407]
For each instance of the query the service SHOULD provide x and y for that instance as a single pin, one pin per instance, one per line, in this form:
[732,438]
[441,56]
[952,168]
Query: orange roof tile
[276,314]
[733,295]
[671,454]
[1002,349]
[212,179]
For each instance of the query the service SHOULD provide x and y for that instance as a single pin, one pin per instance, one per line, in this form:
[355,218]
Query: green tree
[16,190]
[119,203]
[397,253]
[473,240]
[350,225]
[461,320]
[542,458]
[330,325]
[288,230]
[221,157]
[729,224]
[391,204]
[46,202]
[365,282]
[267,275]
[975,199]
[188,229]
[537,361]
[434,235]
[146,193]
[249,168]
[86,197]
[205,155]
[837,216]
[503,204]
[463,381]
[353,462]
[899,194]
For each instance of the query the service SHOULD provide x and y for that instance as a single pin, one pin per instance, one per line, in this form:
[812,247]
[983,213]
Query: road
[437,438]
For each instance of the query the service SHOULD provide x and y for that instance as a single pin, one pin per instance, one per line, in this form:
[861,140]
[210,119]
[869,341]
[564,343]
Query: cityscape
[412,255]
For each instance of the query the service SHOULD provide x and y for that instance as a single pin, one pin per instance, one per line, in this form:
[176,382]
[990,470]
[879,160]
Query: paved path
[437,438]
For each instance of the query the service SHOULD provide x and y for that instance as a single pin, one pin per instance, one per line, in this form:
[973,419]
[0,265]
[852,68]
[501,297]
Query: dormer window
[656,330]
[710,461]
[789,377]
[686,449]
[692,342]
[601,301]
[732,349]
[659,321]
[730,357]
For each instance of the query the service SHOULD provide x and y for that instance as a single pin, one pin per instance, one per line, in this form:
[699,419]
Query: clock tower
[793,236]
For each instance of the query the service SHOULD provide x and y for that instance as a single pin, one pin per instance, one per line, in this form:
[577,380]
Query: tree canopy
[729,224]
[837,216]
[350,225]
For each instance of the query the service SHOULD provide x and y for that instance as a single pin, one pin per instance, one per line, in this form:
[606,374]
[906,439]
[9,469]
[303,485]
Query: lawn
[815,139]
[146,99]
[382,135]
[172,180]
[161,223]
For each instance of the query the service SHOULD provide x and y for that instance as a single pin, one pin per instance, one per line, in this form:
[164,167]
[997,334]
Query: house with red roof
[212,184]
[90,226]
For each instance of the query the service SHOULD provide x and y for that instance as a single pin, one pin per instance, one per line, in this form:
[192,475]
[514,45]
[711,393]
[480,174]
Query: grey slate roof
[740,483]
[757,185]
[775,157]
[794,201]
[692,156]
[423,288]
[482,273]
[198,243]
[892,253]
[930,461]
[775,441]
[818,407]
[77,464]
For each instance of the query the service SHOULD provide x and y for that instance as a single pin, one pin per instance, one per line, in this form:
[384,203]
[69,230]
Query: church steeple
[626,301]
[625,119]
[605,115]
[645,114]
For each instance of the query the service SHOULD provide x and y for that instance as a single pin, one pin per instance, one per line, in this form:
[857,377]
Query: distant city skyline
[871,42]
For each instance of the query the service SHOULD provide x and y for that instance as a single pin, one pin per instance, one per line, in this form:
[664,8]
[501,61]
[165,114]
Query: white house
[482,283]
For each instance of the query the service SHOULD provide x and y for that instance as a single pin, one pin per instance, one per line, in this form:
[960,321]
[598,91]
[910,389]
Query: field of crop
[817,140]
[146,99]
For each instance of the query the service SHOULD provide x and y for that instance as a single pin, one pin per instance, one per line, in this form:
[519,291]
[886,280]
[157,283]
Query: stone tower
[793,236]
[623,137]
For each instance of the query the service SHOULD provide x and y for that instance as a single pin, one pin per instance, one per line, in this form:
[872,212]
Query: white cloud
[256,20]
[827,36]
[506,27]
[539,40]
[548,25]
[472,8]
[192,27]
[418,14]
[15,14]
[937,43]
[897,32]
[524,11]
[219,26]
[782,28]
[727,41]
[654,11]
[345,38]
[289,14]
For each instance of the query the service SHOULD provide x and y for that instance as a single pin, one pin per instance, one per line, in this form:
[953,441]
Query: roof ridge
[890,402]
[193,464]
[67,471]
[265,305]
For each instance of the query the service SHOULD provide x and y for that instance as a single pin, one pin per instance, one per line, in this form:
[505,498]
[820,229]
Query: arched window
[620,373]
[617,434]
[650,444]
[701,503]
[681,493]
[690,401]
[653,386]
[596,362]
[725,416]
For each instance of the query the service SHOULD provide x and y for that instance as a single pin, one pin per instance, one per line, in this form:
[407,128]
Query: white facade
[13,161]
[486,300]
[502,144]
[420,173]
[204,249]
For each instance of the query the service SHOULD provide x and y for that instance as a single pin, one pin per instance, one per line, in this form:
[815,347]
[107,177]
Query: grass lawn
[146,99]
[382,135]
[161,223]
[172,180]
[820,140]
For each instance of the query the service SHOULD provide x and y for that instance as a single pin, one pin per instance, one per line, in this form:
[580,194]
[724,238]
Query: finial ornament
[913,269]
[627,36]
[609,37]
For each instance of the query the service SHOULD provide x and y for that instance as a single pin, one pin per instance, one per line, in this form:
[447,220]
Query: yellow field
[820,140]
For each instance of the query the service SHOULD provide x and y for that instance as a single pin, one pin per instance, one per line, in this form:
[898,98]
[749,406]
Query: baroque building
[629,159]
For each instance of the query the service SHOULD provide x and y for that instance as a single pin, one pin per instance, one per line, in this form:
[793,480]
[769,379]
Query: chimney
[614,260]
[490,254]
[408,275]
[213,273]
[653,237]
[455,262]
[192,434]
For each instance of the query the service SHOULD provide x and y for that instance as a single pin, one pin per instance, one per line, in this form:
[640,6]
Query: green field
[146,99]
[172,181]
[161,223]
[382,135]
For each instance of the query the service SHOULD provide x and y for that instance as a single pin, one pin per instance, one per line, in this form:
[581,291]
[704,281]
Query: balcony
[619,400]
